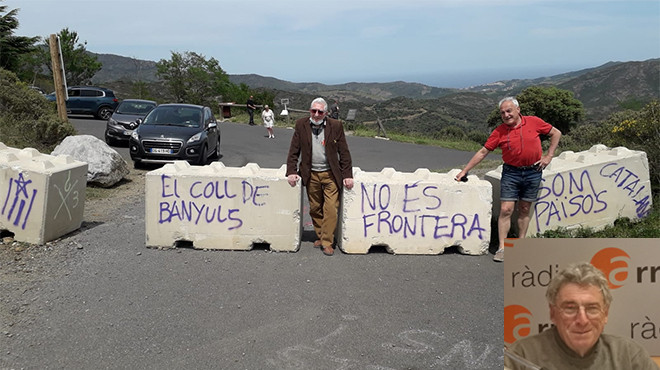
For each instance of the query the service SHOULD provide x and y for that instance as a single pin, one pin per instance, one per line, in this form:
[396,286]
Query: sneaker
[272,137]
[499,255]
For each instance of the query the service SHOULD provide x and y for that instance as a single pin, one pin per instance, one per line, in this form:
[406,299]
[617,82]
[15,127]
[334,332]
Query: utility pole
[58,76]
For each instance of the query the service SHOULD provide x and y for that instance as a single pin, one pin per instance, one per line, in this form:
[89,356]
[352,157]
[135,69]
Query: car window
[137,108]
[88,93]
[174,116]
[207,117]
[73,92]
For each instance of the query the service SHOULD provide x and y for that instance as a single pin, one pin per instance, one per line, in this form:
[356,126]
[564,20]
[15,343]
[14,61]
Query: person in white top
[269,119]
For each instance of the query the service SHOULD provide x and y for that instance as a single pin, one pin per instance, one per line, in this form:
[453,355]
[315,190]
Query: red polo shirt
[521,146]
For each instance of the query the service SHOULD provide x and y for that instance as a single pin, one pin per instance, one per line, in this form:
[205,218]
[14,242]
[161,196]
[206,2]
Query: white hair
[508,98]
[319,101]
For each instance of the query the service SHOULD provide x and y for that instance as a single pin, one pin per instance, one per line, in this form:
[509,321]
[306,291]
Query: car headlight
[135,135]
[112,122]
[196,137]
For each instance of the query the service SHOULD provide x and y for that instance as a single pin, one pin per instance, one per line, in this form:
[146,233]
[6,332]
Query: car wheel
[104,113]
[216,152]
[202,155]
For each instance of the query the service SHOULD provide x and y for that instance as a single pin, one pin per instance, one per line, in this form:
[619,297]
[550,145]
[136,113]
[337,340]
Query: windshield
[175,116]
[135,108]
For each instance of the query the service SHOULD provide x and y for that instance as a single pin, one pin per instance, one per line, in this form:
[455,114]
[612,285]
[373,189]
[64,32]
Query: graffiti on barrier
[629,183]
[67,194]
[567,195]
[18,201]
[207,202]
[418,214]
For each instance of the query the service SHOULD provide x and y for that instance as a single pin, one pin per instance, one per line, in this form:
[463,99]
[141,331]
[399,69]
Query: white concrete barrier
[591,189]
[415,213]
[42,197]
[218,207]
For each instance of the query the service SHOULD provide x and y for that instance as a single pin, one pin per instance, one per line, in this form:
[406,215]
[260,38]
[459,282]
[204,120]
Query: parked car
[176,132]
[97,101]
[37,89]
[126,118]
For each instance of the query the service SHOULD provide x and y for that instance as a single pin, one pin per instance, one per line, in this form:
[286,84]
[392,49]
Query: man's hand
[544,162]
[460,175]
[293,179]
[348,183]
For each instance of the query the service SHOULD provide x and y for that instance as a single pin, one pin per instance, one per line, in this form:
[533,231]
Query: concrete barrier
[591,188]
[218,207]
[415,213]
[42,197]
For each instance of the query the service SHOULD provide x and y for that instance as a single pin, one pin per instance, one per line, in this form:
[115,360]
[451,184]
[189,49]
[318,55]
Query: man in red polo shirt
[519,138]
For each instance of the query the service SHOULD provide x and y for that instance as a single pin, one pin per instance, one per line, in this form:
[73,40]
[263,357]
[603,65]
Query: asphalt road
[125,306]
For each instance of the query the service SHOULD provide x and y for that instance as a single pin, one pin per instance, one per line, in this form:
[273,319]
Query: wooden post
[58,76]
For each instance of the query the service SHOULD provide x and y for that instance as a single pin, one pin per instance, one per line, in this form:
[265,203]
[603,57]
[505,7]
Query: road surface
[119,305]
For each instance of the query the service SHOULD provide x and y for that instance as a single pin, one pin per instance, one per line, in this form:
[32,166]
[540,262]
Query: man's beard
[316,122]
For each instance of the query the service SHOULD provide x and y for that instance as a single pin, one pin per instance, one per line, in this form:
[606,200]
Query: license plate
[161,151]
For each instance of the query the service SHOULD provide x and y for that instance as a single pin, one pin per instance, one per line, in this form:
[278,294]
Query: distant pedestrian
[518,137]
[325,165]
[269,119]
[250,109]
[334,110]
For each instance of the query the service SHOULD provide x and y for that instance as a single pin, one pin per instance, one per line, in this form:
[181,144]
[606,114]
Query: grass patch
[464,145]
[95,192]
[240,116]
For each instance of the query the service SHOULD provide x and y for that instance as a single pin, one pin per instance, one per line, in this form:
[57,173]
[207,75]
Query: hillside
[603,91]
[415,107]
[354,91]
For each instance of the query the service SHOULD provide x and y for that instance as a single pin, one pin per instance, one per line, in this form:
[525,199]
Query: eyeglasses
[317,111]
[571,310]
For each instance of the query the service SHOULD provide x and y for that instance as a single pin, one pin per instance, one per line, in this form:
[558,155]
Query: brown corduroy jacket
[336,150]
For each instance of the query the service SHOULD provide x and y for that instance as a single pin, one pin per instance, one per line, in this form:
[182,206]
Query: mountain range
[414,107]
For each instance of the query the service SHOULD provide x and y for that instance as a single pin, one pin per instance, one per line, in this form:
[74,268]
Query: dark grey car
[126,118]
[176,132]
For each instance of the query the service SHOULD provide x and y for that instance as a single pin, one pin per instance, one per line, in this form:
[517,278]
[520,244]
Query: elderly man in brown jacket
[325,165]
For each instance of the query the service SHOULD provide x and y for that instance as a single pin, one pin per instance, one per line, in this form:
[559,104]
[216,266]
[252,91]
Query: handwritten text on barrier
[209,201]
[567,195]
[417,214]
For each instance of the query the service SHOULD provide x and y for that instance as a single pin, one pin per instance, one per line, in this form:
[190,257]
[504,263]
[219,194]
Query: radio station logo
[517,322]
[614,263]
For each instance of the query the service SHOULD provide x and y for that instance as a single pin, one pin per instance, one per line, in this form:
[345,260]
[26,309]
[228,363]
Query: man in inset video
[579,298]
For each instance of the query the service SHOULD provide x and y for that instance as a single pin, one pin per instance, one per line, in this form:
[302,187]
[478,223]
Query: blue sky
[444,43]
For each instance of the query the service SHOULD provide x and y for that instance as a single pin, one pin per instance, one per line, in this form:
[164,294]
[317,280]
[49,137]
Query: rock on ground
[105,168]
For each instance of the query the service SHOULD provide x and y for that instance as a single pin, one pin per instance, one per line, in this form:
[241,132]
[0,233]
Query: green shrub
[478,136]
[451,133]
[635,130]
[640,131]
[27,119]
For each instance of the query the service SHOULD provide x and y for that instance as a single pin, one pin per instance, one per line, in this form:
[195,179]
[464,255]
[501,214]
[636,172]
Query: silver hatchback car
[126,118]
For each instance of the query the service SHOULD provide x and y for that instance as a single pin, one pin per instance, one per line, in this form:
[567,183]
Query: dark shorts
[519,183]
